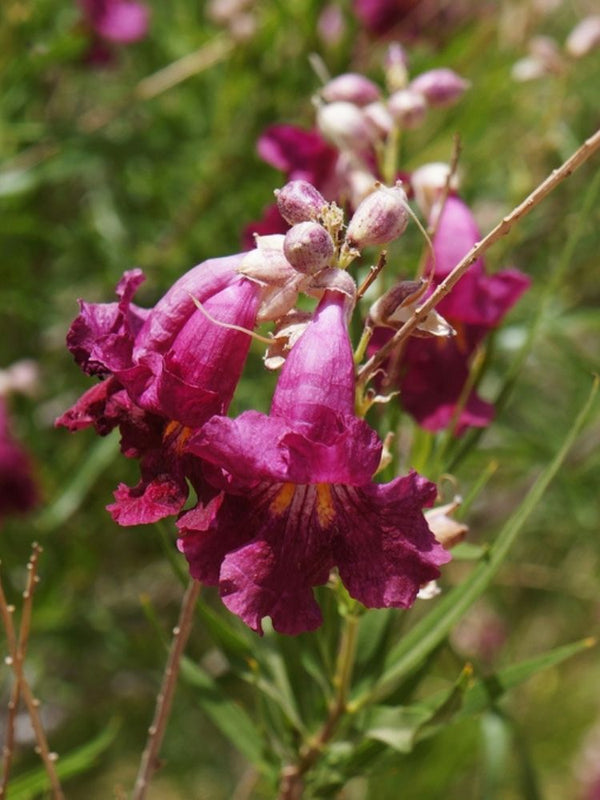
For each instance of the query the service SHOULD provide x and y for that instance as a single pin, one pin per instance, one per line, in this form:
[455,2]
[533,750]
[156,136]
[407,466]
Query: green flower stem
[291,784]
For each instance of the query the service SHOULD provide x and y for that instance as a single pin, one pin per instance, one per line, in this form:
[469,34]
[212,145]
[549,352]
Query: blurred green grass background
[96,179]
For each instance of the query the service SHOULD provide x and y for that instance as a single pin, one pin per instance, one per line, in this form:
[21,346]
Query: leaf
[400,727]
[83,758]
[228,716]
[430,631]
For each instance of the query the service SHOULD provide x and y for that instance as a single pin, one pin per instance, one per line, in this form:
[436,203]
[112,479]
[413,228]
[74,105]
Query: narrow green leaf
[486,691]
[433,628]
[30,785]
[229,718]
[101,455]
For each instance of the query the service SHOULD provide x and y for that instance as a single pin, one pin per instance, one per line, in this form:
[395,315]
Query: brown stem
[291,785]
[164,701]
[15,659]
[587,149]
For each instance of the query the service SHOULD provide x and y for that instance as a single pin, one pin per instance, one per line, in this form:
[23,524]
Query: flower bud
[584,37]
[408,108]
[379,118]
[441,87]
[351,88]
[379,219]
[308,247]
[396,67]
[344,125]
[429,182]
[299,201]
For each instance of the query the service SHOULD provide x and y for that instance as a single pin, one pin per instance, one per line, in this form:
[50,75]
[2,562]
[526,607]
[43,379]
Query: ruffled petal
[383,546]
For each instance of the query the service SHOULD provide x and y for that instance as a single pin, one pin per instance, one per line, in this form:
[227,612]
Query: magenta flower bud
[408,108]
[351,88]
[308,247]
[299,201]
[584,37]
[440,87]
[379,219]
[344,125]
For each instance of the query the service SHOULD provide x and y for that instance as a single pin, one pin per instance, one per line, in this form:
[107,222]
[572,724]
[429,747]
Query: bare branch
[587,149]
[164,700]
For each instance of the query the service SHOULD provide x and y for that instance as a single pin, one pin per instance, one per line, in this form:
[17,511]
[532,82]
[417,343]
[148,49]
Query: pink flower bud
[441,87]
[344,125]
[379,118]
[584,37]
[299,201]
[408,108]
[379,219]
[351,88]
[429,183]
[308,247]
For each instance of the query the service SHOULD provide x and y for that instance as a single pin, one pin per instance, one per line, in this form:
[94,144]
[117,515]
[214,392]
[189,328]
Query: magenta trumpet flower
[166,371]
[297,497]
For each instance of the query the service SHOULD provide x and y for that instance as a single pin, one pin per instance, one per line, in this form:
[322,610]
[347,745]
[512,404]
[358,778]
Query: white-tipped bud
[408,108]
[299,201]
[343,124]
[380,218]
[429,183]
[440,87]
[351,88]
[584,37]
[396,67]
[379,118]
[308,247]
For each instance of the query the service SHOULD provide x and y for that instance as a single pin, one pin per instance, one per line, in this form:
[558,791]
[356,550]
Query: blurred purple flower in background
[18,489]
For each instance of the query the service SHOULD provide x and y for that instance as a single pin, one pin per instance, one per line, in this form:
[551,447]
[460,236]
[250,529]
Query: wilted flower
[432,373]
[297,497]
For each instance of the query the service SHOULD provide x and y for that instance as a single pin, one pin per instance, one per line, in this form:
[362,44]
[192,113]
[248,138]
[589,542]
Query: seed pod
[299,201]
[351,88]
[408,108]
[308,247]
[441,87]
[379,219]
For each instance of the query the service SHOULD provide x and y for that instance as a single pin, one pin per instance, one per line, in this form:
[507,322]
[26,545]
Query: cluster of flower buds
[546,57]
[354,114]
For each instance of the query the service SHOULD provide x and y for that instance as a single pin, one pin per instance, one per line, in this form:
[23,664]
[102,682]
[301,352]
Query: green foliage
[100,170]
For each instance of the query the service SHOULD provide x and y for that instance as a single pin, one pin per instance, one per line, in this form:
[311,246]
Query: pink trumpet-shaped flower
[166,371]
[297,496]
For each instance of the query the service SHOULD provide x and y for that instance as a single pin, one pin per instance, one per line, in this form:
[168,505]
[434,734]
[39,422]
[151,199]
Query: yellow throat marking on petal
[325,509]
[283,498]
[178,434]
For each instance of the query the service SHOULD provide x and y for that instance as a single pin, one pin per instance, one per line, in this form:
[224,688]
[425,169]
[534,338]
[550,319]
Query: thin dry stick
[587,149]
[164,701]
[21,649]
[164,79]
[372,274]
[32,703]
